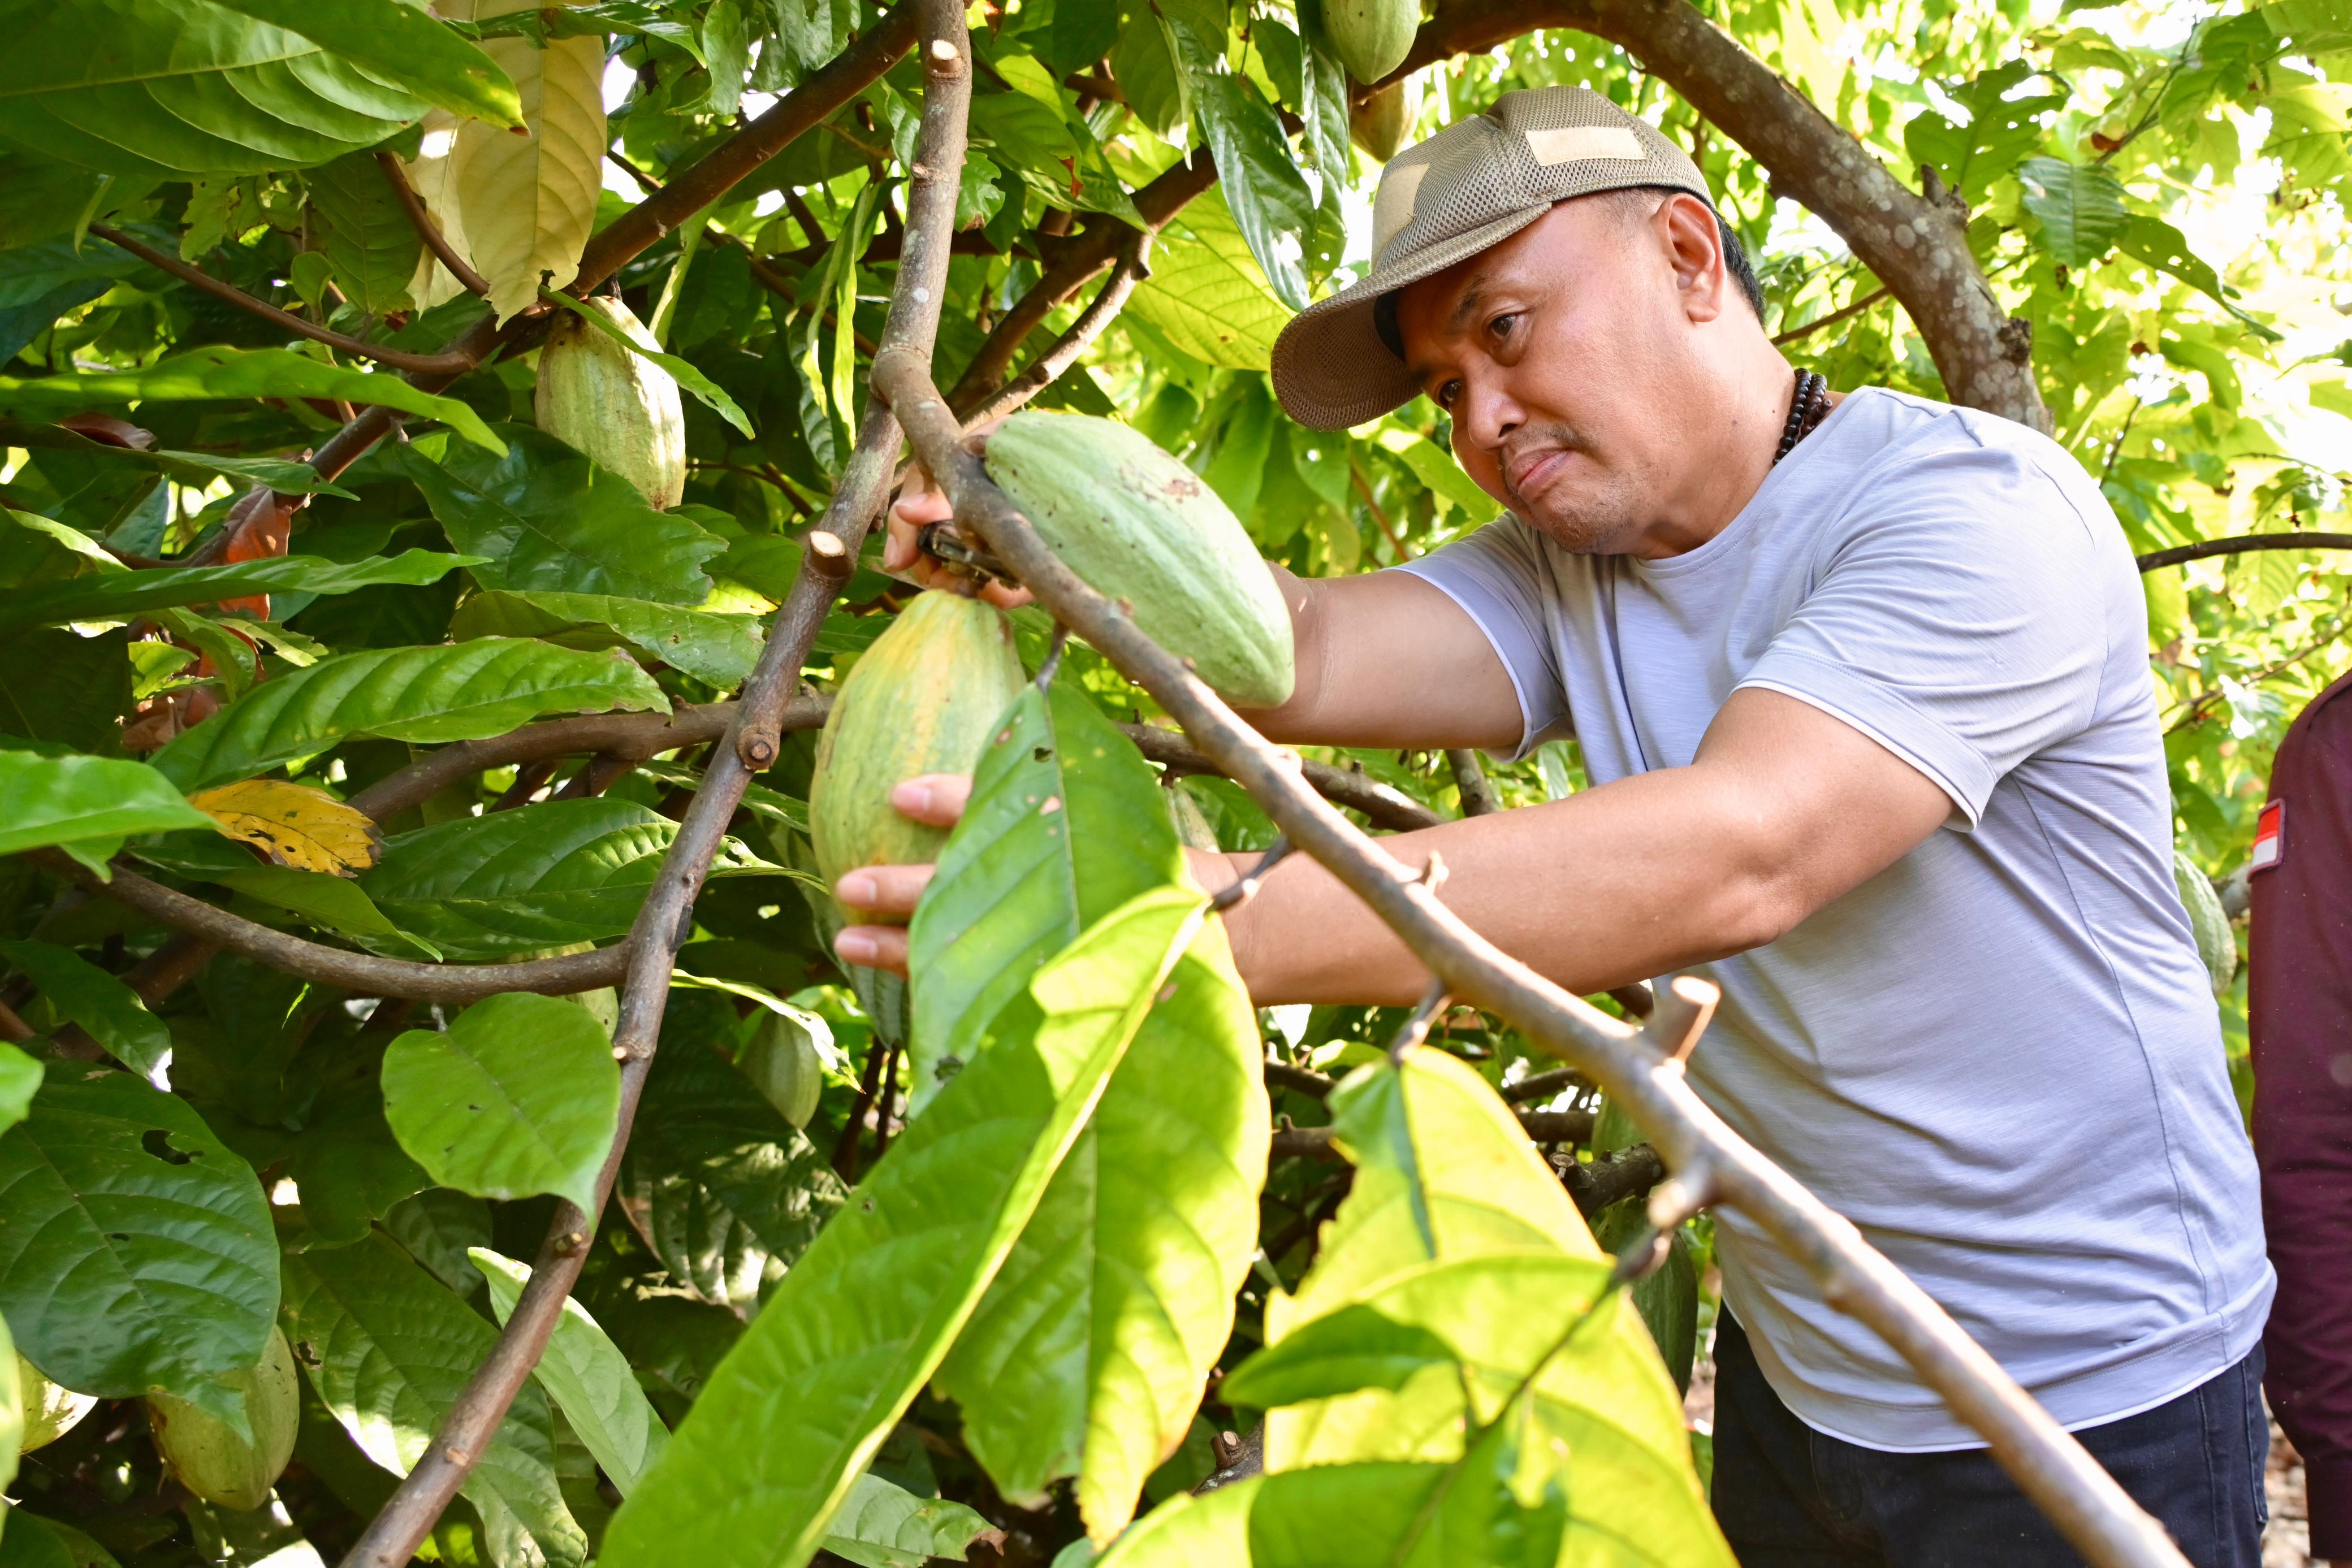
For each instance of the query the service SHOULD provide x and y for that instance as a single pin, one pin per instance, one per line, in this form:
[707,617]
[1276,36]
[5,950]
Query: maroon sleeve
[2299,988]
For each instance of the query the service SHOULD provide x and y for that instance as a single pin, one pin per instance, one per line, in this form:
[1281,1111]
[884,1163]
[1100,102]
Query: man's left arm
[1784,809]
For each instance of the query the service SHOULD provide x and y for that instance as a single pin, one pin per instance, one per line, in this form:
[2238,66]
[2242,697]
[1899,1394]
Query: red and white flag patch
[2270,836]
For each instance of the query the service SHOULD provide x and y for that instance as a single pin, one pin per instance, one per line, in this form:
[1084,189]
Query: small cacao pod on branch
[922,699]
[1138,526]
[1372,37]
[2217,944]
[50,1412]
[213,1461]
[618,407]
[1379,124]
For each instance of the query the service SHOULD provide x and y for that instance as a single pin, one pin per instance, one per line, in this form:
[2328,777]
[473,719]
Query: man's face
[1561,355]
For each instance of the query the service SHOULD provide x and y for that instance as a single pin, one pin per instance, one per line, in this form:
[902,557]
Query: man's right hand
[922,501]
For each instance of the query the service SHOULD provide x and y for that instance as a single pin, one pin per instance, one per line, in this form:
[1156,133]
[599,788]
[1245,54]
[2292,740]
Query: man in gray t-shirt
[1861,685]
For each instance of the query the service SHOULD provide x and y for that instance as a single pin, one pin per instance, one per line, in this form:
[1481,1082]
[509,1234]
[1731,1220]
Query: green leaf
[1064,824]
[20,1076]
[1089,1355]
[181,86]
[135,1250]
[2079,205]
[118,595]
[2160,246]
[682,370]
[718,649]
[548,518]
[404,45]
[488,687]
[774,1444]
[62,800]
[885,1526]
[349,1169]
[388,1348]
[1151,71]
[217,371]
[1207,294]
[724,1192]
[59,687]
[1999,131]
[358,223]
[196,469]
[111,1010]
[539,876]
[440,1228]
[520,1096]
[587,1376]
[1260,180]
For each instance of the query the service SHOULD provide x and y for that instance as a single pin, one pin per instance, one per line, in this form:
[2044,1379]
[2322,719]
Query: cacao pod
[1372,37]
[1379,124]
[50,1412]
[1138,526]
[213,1462]
[618,407]
[781,1061]
[923,699]
[2217,944]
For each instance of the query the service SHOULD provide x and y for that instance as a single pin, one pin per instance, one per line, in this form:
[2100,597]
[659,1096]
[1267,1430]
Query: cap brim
[1330,369]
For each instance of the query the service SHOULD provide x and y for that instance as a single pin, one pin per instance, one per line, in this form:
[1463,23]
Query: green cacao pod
[213,1462]
[1379,124]
[618,407]
[1192,823]
[781,1061]
[2216,943]
[50,1412]
[923,699]
[1138,525]
[1372,37]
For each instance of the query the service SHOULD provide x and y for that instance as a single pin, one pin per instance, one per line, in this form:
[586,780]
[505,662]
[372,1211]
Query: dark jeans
[1789,1497]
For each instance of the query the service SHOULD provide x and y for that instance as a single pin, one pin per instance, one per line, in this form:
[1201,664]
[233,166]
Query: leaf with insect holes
[294,825]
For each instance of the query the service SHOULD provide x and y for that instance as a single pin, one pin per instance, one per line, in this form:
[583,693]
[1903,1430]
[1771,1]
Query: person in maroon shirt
[2299,1006]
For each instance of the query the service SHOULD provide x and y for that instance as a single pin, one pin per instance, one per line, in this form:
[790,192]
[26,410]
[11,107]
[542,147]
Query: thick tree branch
[1918,246]
[421,220]
[1640,1070]
[635,736]
[1612,1178]
[667,917]
[2155,560]
[1384,806]
[1478,798]
[445,363]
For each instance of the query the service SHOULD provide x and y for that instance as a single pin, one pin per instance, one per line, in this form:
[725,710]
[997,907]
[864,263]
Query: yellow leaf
[294,825]
[428,172]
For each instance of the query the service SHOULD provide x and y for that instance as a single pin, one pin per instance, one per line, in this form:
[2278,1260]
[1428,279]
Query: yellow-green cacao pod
[213,1462]
[2216,943]
[50,1412]
[1379,124]
[1372,37]
[923,699]
[618,407]
[1138,526]
[781,1061]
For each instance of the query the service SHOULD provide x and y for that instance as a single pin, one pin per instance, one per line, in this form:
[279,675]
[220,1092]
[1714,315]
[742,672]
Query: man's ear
[1694,246]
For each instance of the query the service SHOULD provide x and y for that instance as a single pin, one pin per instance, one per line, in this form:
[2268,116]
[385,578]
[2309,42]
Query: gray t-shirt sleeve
[1959,618]
[1499,576]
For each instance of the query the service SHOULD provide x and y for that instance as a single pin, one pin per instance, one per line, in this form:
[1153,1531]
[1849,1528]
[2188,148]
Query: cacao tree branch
[2156,560]
[426,229]
[399,359]
[1917,246]
[1611,1177]
[1478,798]
[1131,270]
[1640,1070]
[1384,806]
[1540,1126]
[666,918]
[1846,312]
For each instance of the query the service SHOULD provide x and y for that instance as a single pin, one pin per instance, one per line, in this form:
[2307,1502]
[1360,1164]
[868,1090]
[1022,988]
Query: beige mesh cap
[1473,184]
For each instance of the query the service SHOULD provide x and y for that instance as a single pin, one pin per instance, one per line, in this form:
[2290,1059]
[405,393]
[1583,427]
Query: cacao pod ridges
[924,698]
[618,407]
[50,1411]
[213,1461]
[1372,37]
[1382,122]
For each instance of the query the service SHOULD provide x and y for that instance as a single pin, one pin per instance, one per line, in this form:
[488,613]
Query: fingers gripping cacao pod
[1379,124]
[1138,525]
[923,699]
[50,1412]
[1372,37]
[213,1462]
[619,408]
[2216,943]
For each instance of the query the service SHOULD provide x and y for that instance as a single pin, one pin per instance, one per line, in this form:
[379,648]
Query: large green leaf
[348,1166]
[1207,294]
[587,1376]
[61,687]
[80,990]
[196,469]
[2166,248]
[2080,206]
[388,1348]
[217,371]
[404,45]
[1064,824]
[885,1526]
[371,245]
[1261,180]
[165,86]
[1998,132]
[518,1096]
[549,520]
[720,649]
[61,799]
[543,875]
[135,1250]
[117,595]
[488,687]
[727,1192]
[20,1078]
[778,1437]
